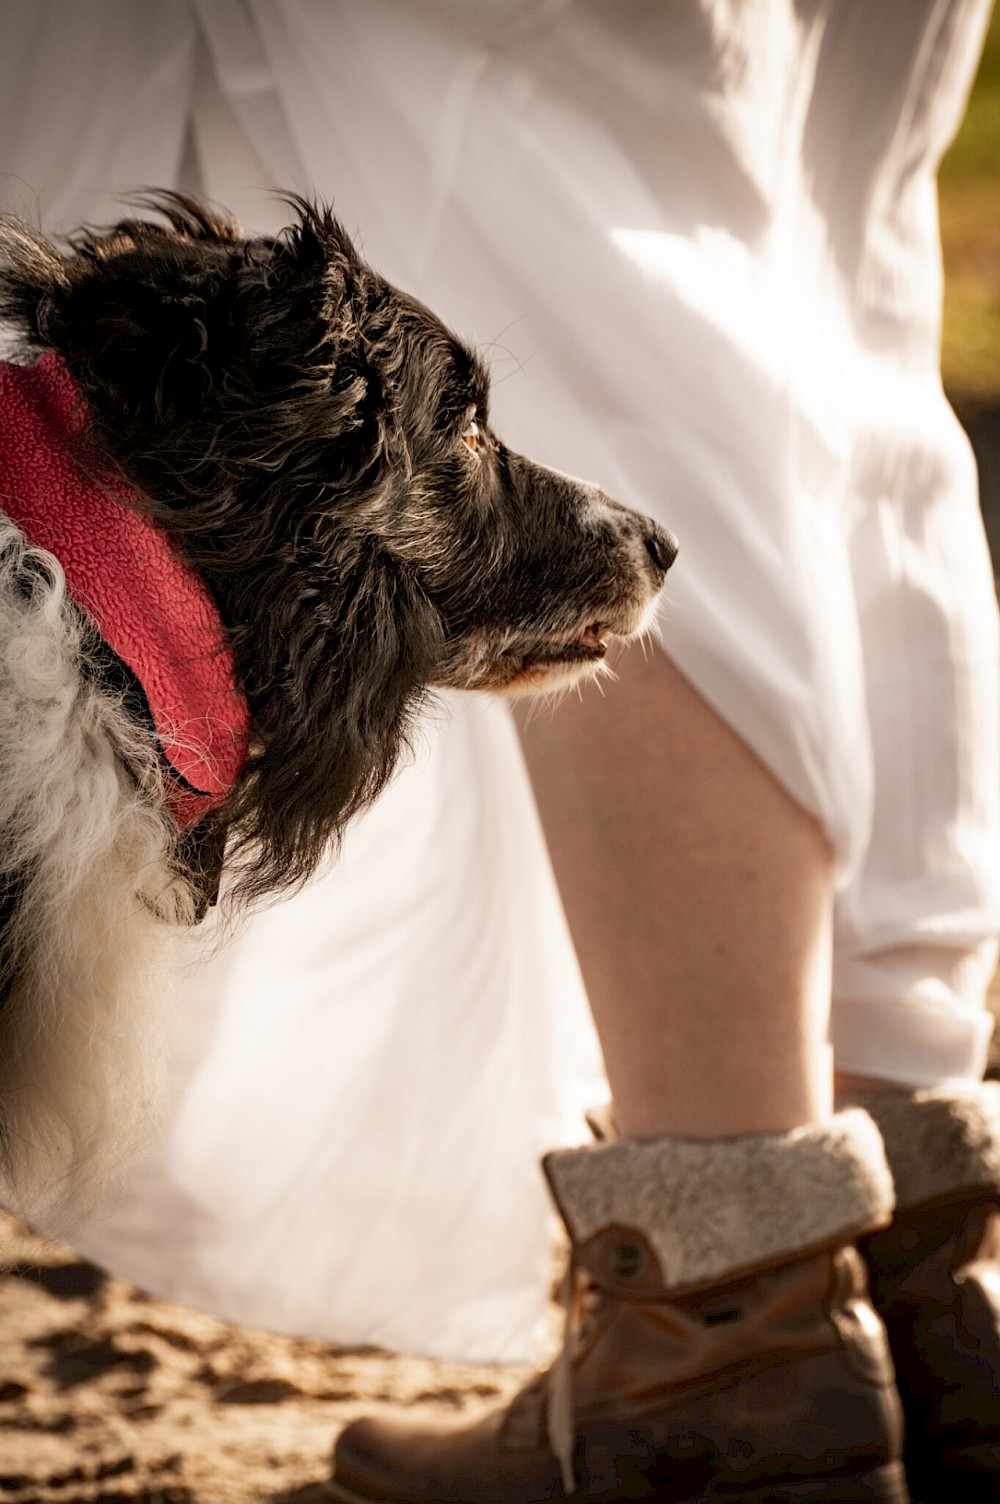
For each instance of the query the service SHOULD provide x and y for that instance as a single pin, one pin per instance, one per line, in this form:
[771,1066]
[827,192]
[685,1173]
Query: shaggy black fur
[317,444]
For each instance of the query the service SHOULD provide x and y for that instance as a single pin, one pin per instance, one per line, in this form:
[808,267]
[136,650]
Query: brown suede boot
[720,1343]
[935,1280]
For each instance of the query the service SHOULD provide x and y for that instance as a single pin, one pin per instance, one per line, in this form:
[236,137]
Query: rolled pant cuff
[910,1042]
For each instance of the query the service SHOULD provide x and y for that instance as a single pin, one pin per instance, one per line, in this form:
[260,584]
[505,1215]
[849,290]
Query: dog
[254,513]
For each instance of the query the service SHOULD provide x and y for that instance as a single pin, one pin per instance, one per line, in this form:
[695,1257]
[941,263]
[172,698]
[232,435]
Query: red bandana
[124,573]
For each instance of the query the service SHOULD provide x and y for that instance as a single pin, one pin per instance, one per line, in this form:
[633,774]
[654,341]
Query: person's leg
[711,1235]
[699,898]
[711,1243]
[915,928]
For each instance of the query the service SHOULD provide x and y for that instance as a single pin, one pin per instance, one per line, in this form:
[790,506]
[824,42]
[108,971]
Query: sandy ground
[109,1396]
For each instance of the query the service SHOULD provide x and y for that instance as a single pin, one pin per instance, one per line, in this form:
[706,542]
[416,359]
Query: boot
[935,1280]
[720,1344]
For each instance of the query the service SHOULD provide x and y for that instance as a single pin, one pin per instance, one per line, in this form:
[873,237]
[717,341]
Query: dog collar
[163,642]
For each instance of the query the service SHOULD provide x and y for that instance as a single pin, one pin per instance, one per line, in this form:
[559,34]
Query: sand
[108,1395]
[111,1396]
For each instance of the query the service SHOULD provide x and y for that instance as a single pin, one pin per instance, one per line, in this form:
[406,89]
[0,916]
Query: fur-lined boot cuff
[711,1209]
[940,1142]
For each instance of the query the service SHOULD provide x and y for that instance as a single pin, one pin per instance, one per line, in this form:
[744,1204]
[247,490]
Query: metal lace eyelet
[626,1260]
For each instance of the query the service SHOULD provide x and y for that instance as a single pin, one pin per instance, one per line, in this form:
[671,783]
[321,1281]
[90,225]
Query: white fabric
[366,1078]
[699,246]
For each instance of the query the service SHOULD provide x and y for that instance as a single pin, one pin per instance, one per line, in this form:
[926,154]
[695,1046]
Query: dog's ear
[300,317]
[333,721]
[160,321]
[128,306]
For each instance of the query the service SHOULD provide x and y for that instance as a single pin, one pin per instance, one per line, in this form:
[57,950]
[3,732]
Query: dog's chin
[535,678]
[537,667]
[550,667]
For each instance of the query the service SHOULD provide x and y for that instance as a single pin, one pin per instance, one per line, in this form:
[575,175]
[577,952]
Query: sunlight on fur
[81,1033]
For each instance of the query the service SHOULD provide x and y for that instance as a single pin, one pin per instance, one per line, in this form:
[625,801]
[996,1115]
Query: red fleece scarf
[153,613]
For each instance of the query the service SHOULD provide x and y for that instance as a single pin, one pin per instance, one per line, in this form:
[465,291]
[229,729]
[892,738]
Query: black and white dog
[253,511]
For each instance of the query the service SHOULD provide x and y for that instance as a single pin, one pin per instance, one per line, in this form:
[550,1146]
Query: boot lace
[581,1299]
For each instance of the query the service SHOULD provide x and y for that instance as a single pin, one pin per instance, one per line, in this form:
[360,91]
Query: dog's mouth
[553,660]
[588,646]
[548,658]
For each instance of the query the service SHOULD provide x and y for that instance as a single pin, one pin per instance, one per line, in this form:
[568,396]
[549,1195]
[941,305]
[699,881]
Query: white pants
[699,245]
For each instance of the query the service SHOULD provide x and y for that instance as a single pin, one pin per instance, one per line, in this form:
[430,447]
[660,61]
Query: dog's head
[319,445]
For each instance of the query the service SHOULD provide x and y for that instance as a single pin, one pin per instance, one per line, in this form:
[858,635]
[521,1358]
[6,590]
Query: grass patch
[970,234]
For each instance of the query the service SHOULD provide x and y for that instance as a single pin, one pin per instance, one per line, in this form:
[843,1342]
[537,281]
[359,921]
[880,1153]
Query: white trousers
[699,245]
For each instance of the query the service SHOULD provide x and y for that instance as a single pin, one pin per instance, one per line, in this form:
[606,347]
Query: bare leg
[699,899]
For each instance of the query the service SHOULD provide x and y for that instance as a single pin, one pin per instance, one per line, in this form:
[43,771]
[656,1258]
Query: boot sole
[886,1485]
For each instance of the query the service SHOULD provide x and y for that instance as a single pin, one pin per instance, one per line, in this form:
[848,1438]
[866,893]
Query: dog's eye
[472,438]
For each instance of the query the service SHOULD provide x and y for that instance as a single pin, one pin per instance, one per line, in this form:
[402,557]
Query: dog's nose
[661,547]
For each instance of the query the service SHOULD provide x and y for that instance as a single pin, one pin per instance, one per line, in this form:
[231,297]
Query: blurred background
[970,232]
